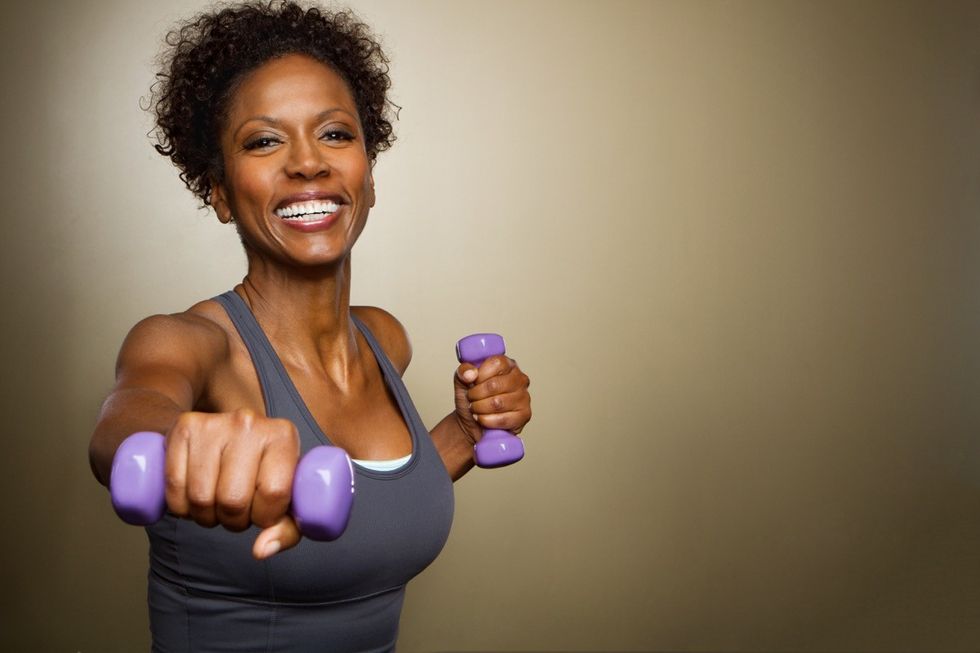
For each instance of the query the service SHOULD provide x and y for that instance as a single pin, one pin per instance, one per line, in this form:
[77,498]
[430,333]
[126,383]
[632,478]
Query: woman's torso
[208,593]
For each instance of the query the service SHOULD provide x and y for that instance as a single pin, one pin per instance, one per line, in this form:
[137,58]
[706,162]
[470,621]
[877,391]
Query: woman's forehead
[290,86]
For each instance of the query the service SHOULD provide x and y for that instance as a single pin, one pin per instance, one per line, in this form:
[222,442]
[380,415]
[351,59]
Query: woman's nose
[307,159]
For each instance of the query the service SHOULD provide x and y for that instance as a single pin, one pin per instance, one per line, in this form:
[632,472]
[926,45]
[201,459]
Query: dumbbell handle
[496,447]
[323,486]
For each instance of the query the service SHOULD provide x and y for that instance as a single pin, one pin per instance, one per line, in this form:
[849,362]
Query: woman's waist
[242,595]
[182,616]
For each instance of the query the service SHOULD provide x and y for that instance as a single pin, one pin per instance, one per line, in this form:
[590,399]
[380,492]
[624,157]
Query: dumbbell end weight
[476,348]
[136,483]
[497,449]
[323,516]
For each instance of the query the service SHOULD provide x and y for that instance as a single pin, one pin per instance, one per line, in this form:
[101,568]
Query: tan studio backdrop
[735,244]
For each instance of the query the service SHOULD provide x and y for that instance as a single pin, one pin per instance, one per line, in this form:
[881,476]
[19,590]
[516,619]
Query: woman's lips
[311,222]
[309,215]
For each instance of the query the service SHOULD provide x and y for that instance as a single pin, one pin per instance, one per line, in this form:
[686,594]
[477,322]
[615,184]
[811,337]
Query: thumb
[465,375]
[282,535]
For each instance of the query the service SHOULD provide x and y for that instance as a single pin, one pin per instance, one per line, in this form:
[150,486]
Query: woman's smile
[309,212]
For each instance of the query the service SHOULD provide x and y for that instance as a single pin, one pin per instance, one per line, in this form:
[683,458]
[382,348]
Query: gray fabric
[207,593]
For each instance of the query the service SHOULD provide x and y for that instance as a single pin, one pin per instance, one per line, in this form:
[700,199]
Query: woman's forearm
[124,412]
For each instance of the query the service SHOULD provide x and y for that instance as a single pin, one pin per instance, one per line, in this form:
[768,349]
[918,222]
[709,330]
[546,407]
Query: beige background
[736,245]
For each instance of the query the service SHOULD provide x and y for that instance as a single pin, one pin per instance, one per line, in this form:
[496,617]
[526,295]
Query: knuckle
[173,483]
[181,430]
[282,436]
[199,500]
[275,491]
[496,404]
[493,385]
[235,505]
[244,418]
[285,429]
[173,486]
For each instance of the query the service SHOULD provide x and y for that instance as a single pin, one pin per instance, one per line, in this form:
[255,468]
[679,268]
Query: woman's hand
[495,396]
[234,469]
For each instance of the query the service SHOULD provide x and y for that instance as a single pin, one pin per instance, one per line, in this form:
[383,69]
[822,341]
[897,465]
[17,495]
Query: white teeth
[308,211]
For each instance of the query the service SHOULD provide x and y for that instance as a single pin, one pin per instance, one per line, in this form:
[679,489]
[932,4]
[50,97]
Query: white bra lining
[383,465]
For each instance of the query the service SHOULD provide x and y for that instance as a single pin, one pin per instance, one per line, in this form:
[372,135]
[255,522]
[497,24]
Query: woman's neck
[304,313]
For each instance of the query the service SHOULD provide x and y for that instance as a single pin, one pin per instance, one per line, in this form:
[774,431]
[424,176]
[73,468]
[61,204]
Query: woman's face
[297,176]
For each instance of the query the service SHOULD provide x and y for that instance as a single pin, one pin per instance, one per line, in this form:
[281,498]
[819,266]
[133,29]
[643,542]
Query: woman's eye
[338,135]
[261,142]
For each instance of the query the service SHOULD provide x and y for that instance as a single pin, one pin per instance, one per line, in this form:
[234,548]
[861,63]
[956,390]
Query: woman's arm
[494,396]
[229,468]
[160,373]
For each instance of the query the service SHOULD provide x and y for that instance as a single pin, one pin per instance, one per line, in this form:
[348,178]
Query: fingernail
[272,548]
[469,376]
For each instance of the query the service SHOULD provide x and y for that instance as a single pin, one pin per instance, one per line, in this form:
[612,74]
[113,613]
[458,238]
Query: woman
[274,116]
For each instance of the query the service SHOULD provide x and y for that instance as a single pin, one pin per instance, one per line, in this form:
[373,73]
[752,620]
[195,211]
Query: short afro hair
[207,57]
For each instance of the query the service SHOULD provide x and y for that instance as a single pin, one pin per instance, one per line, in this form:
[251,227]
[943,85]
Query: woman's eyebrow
[269,120]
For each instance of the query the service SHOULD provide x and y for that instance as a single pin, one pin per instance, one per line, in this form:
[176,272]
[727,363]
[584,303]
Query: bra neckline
[259,339]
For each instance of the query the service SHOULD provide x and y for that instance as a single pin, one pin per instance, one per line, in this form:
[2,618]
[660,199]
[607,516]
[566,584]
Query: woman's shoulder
[389,332]
[189,356]
[196,333]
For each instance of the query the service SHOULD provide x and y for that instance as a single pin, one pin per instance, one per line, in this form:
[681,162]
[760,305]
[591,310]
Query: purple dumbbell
[323,486]
[496,448]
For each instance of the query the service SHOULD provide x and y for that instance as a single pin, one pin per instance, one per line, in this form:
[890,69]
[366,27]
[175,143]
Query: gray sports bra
[207,593]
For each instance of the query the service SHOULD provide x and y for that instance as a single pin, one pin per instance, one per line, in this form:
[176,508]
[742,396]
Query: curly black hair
[208,56]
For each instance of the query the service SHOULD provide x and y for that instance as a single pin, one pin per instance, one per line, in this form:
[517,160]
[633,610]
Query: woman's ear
[219,201]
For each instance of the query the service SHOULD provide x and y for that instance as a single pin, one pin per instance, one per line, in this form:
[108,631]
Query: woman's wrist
[467,428]
[455,445]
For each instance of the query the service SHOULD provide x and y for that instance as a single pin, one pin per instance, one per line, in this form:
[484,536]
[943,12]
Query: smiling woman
[274,115]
